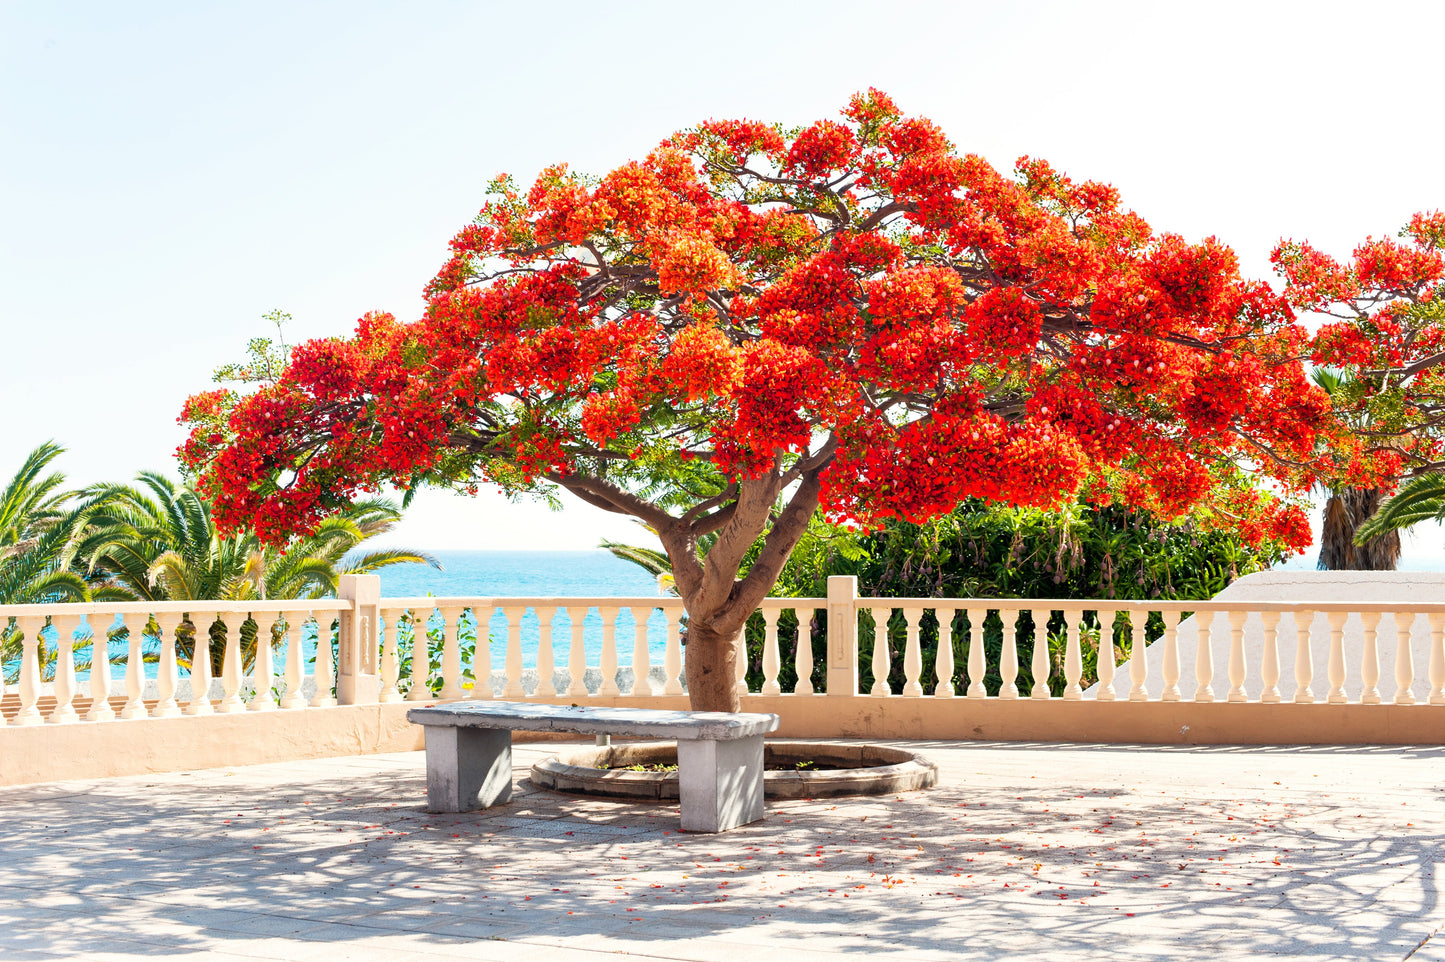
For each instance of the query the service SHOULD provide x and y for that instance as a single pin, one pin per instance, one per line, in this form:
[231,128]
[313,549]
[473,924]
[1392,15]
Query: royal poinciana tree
[1382,350]
[752,323]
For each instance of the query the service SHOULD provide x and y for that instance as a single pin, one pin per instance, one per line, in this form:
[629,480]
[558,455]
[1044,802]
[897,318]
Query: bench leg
[467,768]
[720,784]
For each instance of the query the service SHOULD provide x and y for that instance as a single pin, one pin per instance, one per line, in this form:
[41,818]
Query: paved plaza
[1029,851]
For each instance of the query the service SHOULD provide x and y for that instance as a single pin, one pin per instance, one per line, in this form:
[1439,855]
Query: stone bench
[719,754]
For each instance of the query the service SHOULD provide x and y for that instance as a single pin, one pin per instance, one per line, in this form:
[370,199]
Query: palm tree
[1348,509]
[1421,499]
[158,540]
[37,530]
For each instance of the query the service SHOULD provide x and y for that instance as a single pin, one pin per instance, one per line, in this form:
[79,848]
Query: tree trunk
[1345,511]
[711,667]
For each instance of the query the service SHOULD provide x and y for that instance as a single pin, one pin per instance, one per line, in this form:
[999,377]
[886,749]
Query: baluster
[741,661]
[1171,656]
[1008,664]
[482,653]
[1269,666]
[577,656]
[1370,659]
[1040,660]
[200,703]
[263,668]
[1304,668]
[452,655]
[1337,657]
[325,672]
[546,657]
[232,666]
[943,662]
[641,657]
[30,628]
[803,655]
[420,689]
[514,687]
[1204,657]
[294,675]
[64,710]
[771,661]
[912,655]
[882,659]
[100,709]
[609,652]
[1404,659]
[1073,657]
[390,657]
[976,668]
[1437,658]
[1138,656]
[1105,664]
[168,623]
[1236,656]
[135,679]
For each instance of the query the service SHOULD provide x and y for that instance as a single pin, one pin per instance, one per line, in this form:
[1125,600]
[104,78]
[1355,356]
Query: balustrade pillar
[1337,658]
[1269,662]
[1106,663]
[1204,658]
[30,628]
[882,658]
[842,664]
[1303,658]
[943,661]
[200,703]
[1008,665]
[1138,656]
[1236,657]
[772,662]
[1404,659]
[168,623]
[100,709]
[64,710]
[912,655]
[803,656]
[1039,662]
[1370,659]
[1171,657]
[977,666]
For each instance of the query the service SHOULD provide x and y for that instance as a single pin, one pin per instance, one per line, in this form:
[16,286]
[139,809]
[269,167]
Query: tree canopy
[851,315]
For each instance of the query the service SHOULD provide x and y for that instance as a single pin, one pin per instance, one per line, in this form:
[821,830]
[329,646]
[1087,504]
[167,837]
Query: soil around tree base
[833,769]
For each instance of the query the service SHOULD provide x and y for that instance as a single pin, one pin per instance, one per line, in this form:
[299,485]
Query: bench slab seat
[719,754]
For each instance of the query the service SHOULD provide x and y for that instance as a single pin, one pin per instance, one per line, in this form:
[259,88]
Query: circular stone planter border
[876,770]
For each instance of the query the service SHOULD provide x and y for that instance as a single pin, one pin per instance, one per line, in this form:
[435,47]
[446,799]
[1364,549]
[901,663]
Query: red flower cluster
[855,304]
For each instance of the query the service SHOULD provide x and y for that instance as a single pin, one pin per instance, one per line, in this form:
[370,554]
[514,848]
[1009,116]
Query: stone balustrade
[954,668]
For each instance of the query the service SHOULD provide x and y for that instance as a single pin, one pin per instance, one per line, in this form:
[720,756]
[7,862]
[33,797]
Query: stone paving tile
[1056,852]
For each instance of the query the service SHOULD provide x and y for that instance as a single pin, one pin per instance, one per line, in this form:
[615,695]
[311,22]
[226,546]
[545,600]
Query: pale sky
[171,172]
